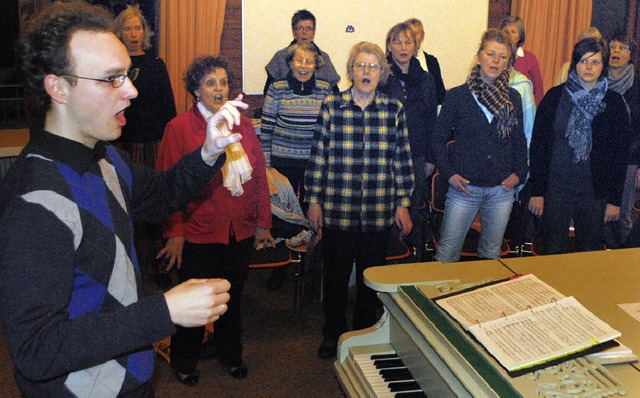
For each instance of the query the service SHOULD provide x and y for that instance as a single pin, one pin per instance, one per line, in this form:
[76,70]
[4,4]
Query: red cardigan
[213,214]
[528,66]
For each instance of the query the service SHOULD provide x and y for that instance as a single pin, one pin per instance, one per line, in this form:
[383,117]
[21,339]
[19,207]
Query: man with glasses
[70,286]
[303,27]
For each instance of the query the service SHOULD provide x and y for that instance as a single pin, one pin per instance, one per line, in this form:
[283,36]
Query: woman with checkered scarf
[481,150]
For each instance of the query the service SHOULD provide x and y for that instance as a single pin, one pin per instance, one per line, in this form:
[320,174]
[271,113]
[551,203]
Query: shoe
[189,379]
[237,368]
[302,239]
[328,349]
[238,372]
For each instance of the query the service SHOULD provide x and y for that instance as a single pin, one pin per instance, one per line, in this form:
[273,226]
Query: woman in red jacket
[214,236]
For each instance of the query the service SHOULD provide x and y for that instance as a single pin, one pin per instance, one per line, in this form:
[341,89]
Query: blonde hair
[127,14]
[591,31]
[368,48]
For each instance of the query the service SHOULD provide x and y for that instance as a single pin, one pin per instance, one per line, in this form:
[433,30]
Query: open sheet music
[524,322]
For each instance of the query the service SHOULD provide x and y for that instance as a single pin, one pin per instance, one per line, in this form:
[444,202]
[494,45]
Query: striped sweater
[289,117]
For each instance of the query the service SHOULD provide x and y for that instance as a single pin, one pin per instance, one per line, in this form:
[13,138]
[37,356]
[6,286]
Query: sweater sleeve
[536,78]
[519,141]
[269,116]
[442,134]
[170,152]
[314,176]
[402,163]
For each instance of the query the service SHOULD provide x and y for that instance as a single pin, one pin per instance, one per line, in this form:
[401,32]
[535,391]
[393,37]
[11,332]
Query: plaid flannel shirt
[360,167]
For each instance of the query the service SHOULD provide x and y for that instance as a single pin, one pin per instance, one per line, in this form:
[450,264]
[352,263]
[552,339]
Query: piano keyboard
[387,376]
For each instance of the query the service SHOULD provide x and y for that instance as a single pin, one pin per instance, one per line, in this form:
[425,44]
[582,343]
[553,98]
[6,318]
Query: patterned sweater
[70,287]
[289,116]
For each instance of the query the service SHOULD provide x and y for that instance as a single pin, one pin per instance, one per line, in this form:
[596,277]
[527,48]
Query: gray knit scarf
[586,105]
[624,82]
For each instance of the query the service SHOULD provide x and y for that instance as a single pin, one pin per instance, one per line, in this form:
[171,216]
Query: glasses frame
[116,81]
[305,28]
[363,65]
[623,48]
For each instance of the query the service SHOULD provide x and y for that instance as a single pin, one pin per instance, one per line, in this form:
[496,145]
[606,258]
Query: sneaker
[303,238]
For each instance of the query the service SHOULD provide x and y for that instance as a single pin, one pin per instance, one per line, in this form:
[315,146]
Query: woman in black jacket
[578,153]
[415,88]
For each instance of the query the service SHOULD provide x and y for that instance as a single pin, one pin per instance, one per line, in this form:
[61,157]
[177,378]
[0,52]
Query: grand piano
[417,350]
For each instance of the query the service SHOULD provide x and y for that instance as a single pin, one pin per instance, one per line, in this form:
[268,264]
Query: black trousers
[339,250]
[229,262]
[588,220]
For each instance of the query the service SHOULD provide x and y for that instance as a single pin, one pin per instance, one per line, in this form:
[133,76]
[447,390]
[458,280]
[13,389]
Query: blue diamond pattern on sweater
[140,365]
[88,295]
[89,192]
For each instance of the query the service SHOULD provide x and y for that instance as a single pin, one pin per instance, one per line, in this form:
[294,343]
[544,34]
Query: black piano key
[395,372]
[384,356]
[413,394]
[392,363]
[404,386]
[398,377]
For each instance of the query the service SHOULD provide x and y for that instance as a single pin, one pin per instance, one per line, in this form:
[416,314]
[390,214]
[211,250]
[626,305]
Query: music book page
[499,300]
[524,322]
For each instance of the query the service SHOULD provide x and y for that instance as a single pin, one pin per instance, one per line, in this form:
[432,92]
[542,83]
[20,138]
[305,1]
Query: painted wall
[452,31]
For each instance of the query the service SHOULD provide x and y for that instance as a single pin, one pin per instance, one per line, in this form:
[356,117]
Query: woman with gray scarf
[578,153]
[624,81]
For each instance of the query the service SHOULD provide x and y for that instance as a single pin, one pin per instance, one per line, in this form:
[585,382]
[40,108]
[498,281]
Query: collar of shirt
[520,52]
[348,102]
[78,156]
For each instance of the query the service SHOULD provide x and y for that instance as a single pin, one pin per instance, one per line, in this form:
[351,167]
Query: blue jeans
[494,205]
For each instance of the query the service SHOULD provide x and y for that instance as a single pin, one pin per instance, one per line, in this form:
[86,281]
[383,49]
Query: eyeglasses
[615,47]
[307,28]
[362,65]
[115,80]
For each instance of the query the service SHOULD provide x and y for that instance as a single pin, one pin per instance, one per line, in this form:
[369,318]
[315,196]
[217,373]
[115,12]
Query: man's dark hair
[590,45]
[302,15]
[44,45]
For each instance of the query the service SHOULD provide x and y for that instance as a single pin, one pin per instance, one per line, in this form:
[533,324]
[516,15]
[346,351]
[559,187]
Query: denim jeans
[494,205]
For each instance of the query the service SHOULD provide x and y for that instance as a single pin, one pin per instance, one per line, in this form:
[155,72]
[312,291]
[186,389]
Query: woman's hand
[510,182]
[458,182]
[429,168]
[536,205]
[263,235]
[172,252]
[403,221]
[611,213]
[315,217]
